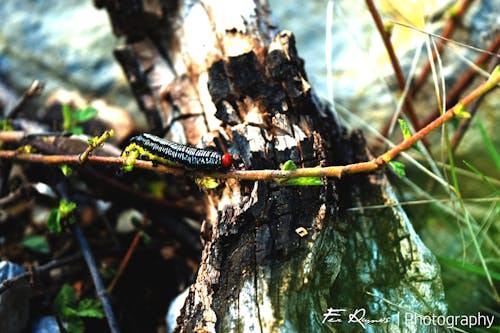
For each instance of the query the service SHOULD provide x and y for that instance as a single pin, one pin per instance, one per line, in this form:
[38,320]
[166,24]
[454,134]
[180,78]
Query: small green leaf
[66,170]
[404,128]
[303,181]
[90,308]
[5,125]
[128,168]
[93,141]
[146,238]
[54,221]
[297,181]
[57,215]
[65,297]
[66,207]
[85,114]
[67,114]
[460,112]
[77,130]
[207,182]
[66,308]
[37,243]
[68,312]
[398,167]
[75,326]
[288,165]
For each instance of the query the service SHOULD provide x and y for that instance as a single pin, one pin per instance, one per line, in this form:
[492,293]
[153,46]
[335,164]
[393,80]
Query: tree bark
[216,73]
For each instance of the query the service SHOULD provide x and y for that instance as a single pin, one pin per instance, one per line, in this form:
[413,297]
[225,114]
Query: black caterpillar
[163,151]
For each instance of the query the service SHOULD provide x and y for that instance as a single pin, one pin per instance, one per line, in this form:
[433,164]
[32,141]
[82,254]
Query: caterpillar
[150,147]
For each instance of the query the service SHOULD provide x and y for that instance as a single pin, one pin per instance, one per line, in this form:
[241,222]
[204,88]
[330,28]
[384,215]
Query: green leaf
[85,114]
[64,306]
[461,113]
[289,165]
[67,114]
[404,128]
[69,312]
[303,181]
[65,297]
[398,167]
[297,181]
[493,153]
[77,130]
[54,221]
[66,170]
[128,168]
[66,207]
[75,326]
[207,182]
[56,216]
[146,238]
[90,308]
[5,125]
[37,243]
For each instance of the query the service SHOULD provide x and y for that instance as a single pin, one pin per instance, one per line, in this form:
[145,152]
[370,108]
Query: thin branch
[331,171]
[410,110]
[94,272]
[127,256]
[22,192]
[465,80]
[94,143]
[455,15]
[36,271]
[12,136]
[34,90]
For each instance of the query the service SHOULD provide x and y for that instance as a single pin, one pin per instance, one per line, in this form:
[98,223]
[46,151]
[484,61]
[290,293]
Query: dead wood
[219,74]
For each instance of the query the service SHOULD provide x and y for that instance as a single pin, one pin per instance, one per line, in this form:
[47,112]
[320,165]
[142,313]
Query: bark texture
[216,73]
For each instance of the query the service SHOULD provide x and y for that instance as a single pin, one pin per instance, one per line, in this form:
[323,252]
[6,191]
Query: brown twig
[12,136]
[34,90]
[455,15]
[332,171]
[127,256]
[20,193]
[75,160]
[34,271]
[408,104]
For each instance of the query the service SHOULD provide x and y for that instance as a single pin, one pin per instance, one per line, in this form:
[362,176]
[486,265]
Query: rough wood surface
[216,73]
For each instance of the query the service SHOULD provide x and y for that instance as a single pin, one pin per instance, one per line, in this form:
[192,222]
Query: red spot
[227,159]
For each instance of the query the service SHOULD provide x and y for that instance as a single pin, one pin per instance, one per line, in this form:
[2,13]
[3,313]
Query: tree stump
[275,258]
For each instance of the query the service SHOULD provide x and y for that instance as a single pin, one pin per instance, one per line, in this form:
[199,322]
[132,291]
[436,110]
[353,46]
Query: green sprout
[72,119]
